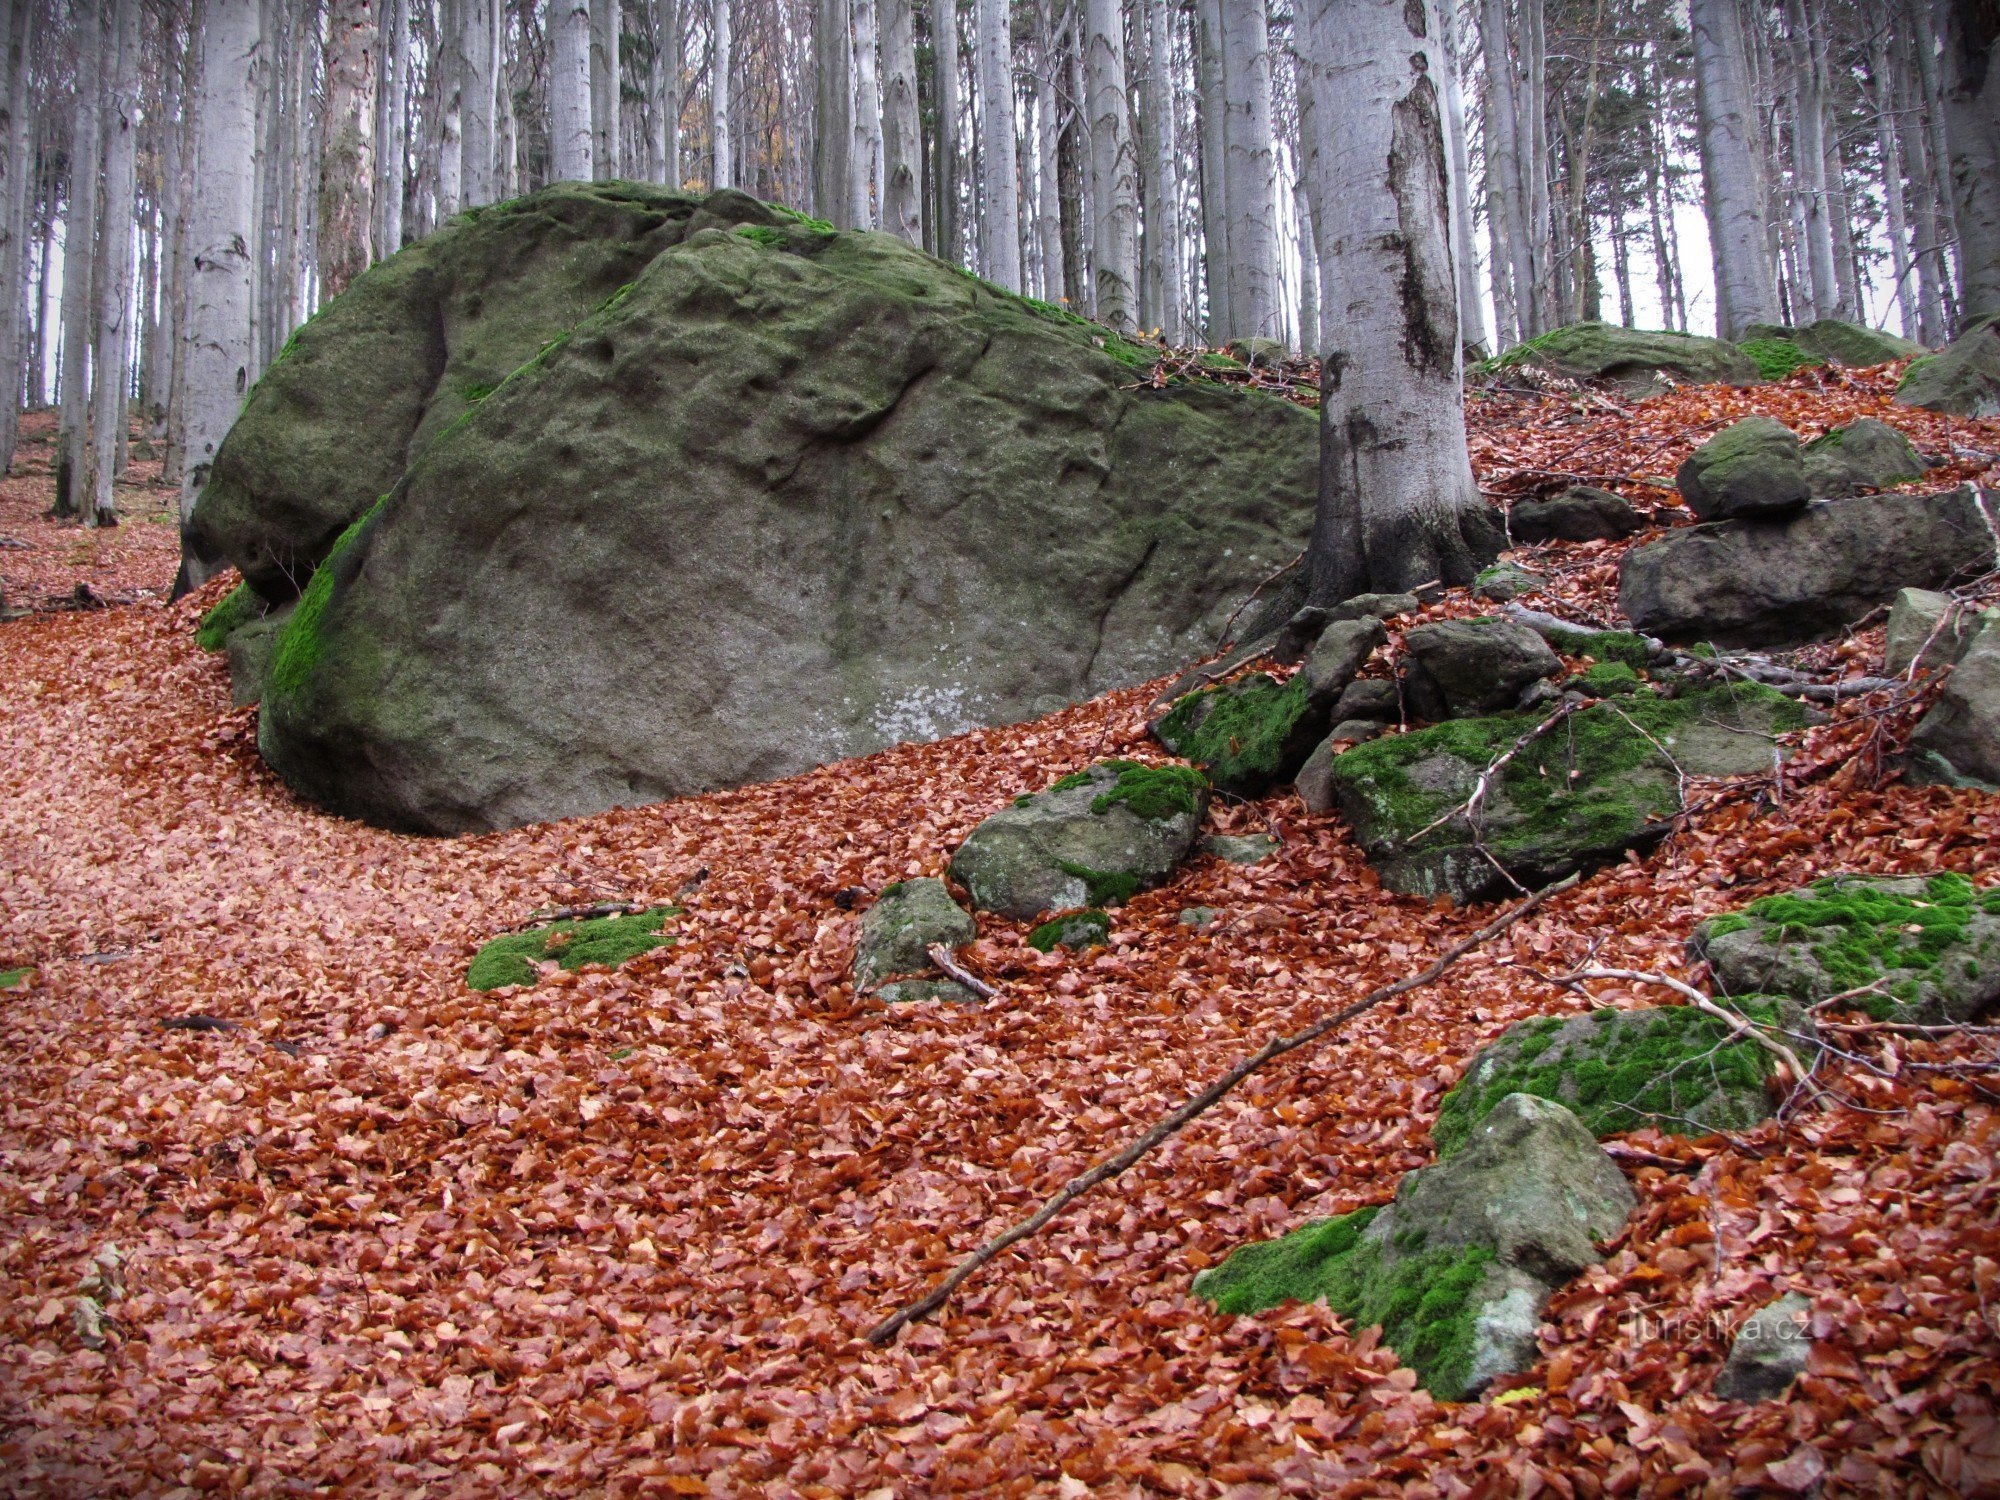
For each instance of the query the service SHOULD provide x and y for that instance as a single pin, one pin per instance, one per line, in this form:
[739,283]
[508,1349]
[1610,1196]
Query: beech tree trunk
[478,73]
[1048,126]
[1398,505]
[1883,96]
[1809,163]
[1471,306]
[1162,277]
[721,101]
[1250,166]
[946,236]
[605,23]
[1114,174]
[15,261]
[347,164]
[1730,148]
[1509,192]
[114,269]
[866,164]
[902,138]
[391,95]
[663,91]
[833,123]
[1000,182]
[1971,88]
[79,259]
[221,231]
[1213,129]
[572,141]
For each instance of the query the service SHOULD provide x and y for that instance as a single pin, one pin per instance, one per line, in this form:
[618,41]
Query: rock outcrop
[659,493]
[1767,583]
[1458,1268]
[1962,379]
[1634,360]
[1834,341]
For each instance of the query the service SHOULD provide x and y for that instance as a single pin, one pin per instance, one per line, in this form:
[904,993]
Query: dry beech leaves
[619,1233]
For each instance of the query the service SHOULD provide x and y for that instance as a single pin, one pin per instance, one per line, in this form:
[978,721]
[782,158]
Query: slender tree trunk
[1883,95]
[1928,20]
[1971,88]
[451,109]
[1000,185]
[222,231]
[1809,160]
[114,268]
[663,91]
[79,259]
[392,54]
[1729,149]
[1049,43]
[347,166]
[1069,189]
[1932,326]
[1471,306]
[1250,167]
[721,100]
[1113,168]
[15,263]
[1212,132]
[572,141]
[1534,123]
[1504,164]
[833,120]
[945,230]
[1165,231]
[1397,504]
[866,163]
[1621,267]
[604,27]
[478,71]
[902,138]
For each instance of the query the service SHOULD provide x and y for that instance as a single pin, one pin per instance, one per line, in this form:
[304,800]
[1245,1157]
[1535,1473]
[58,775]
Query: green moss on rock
[1246,736]
[302,645]
[1777,358]
[611,941]
[238,607]
[1103,887]
[1610,679]
[1083,929]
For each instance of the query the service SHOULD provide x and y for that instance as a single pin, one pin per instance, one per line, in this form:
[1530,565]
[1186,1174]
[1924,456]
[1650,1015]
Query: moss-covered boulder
[252,647]
[1634,360]
[1095,838]
[1752,469]
[729,497]
[1480,665]
[1080,929]
[1598,784]
[1675,1068]
[1834,341]
[1963,379]
[611,941]
[1504,582]
[1254,733]
[1908,947]
[1764,583]
[900,928]
[1455,1271]
[1863,455]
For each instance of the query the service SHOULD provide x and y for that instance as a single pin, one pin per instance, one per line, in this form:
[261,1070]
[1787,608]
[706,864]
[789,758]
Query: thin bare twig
[1696,998]
[1113,1166]
[941,956]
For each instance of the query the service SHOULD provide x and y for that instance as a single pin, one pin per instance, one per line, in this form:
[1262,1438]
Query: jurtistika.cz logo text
[1695,1328]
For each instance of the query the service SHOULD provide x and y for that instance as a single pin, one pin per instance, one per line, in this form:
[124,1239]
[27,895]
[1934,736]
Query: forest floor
[621,1233]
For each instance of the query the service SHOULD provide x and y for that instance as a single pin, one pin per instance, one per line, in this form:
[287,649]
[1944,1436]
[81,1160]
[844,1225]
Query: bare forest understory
[623,1233]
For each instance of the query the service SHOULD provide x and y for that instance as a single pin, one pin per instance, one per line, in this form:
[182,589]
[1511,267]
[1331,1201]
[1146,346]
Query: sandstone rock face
[705,496]
[1766,583]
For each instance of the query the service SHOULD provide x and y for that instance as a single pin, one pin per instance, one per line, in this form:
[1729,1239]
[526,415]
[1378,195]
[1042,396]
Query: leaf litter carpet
[621,1233]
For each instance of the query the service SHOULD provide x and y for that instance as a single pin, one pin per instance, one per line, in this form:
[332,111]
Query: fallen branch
[1696,998]
[582,913]
[941,956]
[1251,598]
[1471,805]
[1277,1047]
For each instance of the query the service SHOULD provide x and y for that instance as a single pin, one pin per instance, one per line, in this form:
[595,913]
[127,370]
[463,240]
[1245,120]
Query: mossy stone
[1776,357]
[1834,341]
[1083,929]
[1248,735]
[611,941]
[1864,455]
[234,610]
[1963,379]
[1632,359]
[1752,469]
[899,930]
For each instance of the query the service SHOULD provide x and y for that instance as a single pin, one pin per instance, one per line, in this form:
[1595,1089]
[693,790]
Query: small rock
[1769,1351]
[1919,627]
[1582,513]
[908,991]
[1241,849]
[1505,582]
[1344,646]
[1354,731]
[1381,606]
[1200,918]
[899,929]
[1751,469]
[1081,929]
[1314,783]
[1863,455]
[1481,665]
[1256,353]
[1369,698]
[1298,634]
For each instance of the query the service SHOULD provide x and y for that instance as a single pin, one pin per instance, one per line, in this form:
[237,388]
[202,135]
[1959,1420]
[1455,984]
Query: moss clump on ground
[1240,734]
[1777,358]
[1858,931]
[763,234]
[236,608]
[1102,887]
[301,644]
[1423,1302]
[1626,646]
[1619,1070]
[1155,793]
[610,941]
[1083,929]
[1610,679]
[14,978]
[818,226]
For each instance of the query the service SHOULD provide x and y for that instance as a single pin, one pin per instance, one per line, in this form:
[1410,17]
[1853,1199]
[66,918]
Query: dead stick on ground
[941,956]
[1277,1047]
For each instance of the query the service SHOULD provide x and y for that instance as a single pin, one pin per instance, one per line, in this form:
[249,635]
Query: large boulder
[1581,513]
[1579,796]
[1749,470]
[1095,838]
[1908,947]
[1480,665]
[1764,583]
[1863,455]
[1834,341]
[1458,1268]
[900,928]
[1635,360]
[787,496]
[1963,727]
[1675,1068]
[1963,379]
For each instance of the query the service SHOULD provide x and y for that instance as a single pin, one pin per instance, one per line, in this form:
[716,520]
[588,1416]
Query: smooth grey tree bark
[1161,279]
[392,22]
[450,125]
[79,258]
[114,269]
[1882,94]
[721,93]
[1398,505]
[902,138]
[1970,83]
[833,124]
[605,24]
[1471,306]
[222,233]
[347,160]
[946,233]
[1000,181]
[1114,168]
[572,141]
[1730,149]
[1508,190]
[478,72]
[16,137]
[1047,207]
[1212,140]
[1250,166]
[1809,161]
[866,161]
[663,91]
